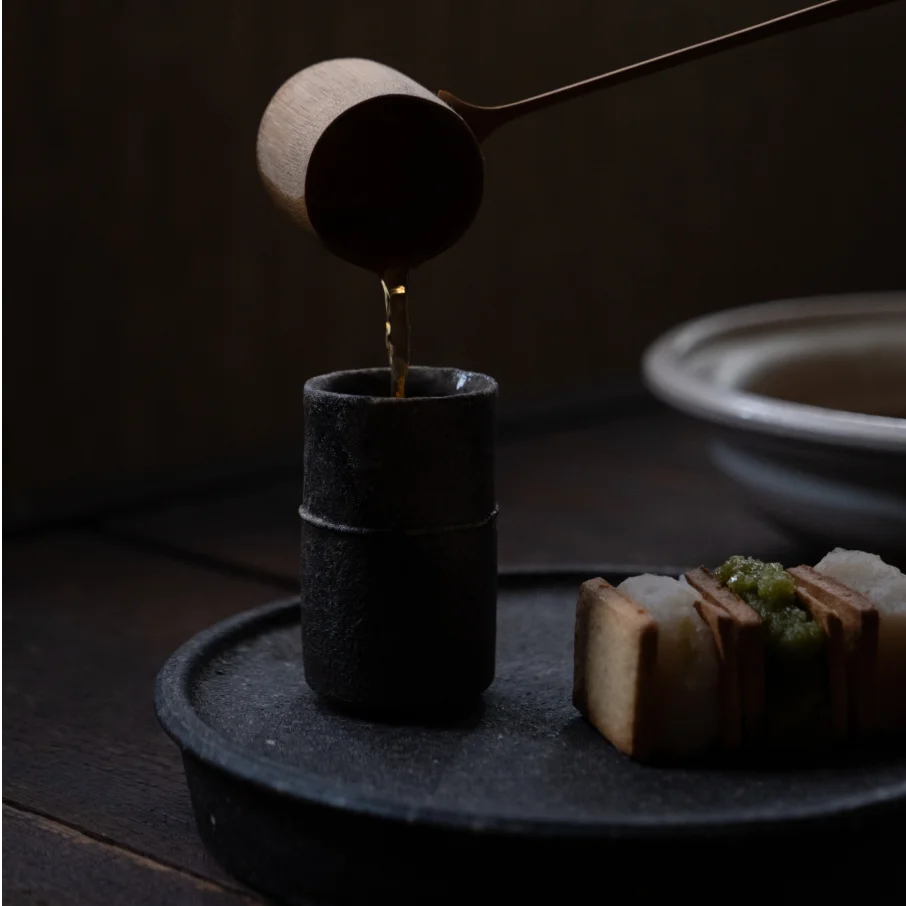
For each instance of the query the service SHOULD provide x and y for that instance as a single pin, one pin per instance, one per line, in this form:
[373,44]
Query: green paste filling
[797,702]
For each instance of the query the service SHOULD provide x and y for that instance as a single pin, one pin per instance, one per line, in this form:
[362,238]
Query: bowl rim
[665,373]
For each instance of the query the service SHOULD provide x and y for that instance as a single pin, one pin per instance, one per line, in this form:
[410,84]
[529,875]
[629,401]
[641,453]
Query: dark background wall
[161,317]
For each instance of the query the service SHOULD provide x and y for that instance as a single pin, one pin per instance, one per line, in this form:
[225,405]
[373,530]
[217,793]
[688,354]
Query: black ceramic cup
[399,540]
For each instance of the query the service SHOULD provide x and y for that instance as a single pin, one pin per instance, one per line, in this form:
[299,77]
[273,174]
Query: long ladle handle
[484,120]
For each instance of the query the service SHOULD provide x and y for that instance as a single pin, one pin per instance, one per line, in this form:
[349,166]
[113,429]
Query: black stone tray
[522,797]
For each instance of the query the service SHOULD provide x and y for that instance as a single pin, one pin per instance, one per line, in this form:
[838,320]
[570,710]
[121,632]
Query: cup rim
[485,385]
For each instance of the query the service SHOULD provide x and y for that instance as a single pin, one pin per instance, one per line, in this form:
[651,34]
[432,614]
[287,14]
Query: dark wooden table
[95,805]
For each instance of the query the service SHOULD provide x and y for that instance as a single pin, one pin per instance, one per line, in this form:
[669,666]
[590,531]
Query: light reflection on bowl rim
[665,371]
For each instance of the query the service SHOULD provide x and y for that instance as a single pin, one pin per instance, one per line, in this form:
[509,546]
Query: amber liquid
[396,325]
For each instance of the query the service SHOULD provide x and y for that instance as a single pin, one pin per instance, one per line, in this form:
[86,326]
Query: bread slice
[614,667]
[726,638]
[859,622]
[741,647]
[832,626]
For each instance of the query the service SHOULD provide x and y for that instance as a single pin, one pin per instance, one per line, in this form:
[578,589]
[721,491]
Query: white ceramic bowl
[807,399]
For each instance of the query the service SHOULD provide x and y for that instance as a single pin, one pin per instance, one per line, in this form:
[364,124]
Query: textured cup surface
[399,548]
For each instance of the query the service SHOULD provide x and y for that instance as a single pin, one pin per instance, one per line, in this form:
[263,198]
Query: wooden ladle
[388,174]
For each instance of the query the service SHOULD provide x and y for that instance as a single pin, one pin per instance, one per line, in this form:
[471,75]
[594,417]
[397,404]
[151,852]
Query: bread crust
[723,629]
[743,662]
[859,621]
[832,626]
[615,662]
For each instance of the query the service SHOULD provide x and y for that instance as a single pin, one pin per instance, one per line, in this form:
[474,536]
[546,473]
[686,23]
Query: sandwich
[748,656]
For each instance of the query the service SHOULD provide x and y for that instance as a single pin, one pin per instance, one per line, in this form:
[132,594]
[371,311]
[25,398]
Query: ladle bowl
[380,169]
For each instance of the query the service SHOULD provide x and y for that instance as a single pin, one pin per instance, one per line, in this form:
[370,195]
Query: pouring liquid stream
[396,325]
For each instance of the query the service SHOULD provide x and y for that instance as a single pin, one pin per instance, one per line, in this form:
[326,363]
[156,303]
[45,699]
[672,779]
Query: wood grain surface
[87,626]
[46,862]
[636,488]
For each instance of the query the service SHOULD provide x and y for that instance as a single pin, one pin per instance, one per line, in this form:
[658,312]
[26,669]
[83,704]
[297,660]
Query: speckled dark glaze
[517,796]
[399,548]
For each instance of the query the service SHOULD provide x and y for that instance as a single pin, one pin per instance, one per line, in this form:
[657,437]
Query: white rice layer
[885,586]
[687,666]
